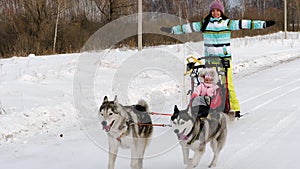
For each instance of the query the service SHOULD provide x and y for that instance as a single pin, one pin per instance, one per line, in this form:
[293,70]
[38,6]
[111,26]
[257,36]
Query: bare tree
[293,15]
[61,7]
[113,9]
[60,26]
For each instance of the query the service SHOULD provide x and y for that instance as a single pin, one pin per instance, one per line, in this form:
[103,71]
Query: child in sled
[216,29]
[205,91]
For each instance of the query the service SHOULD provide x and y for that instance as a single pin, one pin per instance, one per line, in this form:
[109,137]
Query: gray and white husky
[126,127]
[194,133]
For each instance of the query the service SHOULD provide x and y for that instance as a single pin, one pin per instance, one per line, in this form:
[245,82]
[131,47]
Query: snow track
[270,116]
[37,96]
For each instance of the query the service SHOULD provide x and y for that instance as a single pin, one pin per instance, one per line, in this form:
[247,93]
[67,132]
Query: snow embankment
[252,54]
[35,96]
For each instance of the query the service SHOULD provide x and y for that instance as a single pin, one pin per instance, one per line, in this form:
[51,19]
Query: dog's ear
[176,110]
[105,99]
[189,111]
[116,99]
[176,113]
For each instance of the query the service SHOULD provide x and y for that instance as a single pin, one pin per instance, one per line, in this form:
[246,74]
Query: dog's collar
[191,132]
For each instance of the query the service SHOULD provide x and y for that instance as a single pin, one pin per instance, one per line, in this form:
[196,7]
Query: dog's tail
[229,118]
[144,104]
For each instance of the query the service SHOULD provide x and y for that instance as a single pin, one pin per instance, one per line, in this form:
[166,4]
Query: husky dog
[194,133]
[126,127]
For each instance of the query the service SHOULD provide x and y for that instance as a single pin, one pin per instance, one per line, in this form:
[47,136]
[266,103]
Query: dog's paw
[188,161]
[212,165]
[189,167]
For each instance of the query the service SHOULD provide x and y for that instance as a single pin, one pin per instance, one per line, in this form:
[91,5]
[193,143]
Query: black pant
[202,111]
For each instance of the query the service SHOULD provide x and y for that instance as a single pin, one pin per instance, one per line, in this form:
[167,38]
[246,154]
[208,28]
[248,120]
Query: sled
[220,101]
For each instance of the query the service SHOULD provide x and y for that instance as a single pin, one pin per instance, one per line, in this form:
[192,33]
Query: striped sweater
[217,34]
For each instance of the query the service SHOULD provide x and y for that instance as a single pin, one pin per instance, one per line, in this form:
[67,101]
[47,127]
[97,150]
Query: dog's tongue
[183,137]
[106,128]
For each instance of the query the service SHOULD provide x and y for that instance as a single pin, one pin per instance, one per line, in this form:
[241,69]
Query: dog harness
[196,136]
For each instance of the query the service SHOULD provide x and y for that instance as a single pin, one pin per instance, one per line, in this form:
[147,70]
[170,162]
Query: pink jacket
[205,89]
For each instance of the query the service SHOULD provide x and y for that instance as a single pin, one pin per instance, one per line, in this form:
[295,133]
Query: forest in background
[63,26]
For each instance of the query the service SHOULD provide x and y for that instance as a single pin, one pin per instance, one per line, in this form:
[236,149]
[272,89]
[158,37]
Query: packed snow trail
[266,138]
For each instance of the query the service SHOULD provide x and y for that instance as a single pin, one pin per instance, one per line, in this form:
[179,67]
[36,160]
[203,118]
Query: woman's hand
[269,23]
[166,29]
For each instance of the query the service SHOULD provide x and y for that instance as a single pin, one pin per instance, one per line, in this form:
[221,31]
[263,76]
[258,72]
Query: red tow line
[159,125]
[162,114]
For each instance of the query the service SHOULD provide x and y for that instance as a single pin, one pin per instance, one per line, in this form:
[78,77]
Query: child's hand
[194,95]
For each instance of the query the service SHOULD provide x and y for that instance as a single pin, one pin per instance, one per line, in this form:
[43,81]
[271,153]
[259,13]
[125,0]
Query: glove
[166,29]
[194,95]
[269,23]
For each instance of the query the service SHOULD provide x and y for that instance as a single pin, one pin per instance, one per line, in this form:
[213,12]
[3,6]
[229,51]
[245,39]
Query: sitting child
[205,91]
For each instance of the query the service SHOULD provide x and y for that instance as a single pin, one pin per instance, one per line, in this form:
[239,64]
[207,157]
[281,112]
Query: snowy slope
[51,102]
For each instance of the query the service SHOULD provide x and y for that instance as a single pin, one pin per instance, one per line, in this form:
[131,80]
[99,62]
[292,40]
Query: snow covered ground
[48,105]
